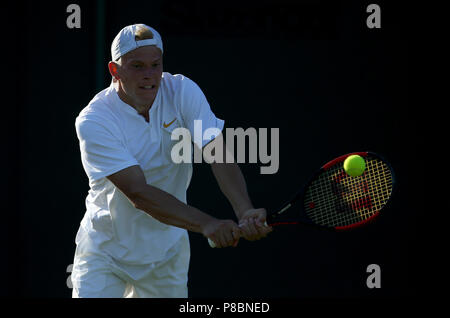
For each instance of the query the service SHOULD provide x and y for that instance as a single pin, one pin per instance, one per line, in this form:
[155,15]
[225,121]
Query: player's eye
[137,66]
[155,64]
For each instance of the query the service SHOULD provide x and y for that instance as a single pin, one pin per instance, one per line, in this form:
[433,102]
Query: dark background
[310,68]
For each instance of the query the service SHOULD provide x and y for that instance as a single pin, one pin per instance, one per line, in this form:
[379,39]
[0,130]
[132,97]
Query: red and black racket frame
[276,218]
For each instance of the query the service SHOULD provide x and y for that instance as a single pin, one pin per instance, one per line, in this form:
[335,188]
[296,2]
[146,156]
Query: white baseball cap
[125,41]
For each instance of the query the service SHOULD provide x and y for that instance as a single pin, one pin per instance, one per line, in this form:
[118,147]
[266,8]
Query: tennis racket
[334,200]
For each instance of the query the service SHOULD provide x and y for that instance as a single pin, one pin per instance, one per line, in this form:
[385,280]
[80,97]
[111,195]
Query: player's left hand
[252,225]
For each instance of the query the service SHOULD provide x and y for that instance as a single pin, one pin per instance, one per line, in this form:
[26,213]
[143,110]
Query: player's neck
[141,109]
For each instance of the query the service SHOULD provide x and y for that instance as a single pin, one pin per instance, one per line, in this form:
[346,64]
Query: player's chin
[146,96]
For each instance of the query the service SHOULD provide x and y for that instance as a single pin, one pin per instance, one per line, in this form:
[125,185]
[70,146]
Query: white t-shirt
[113,136]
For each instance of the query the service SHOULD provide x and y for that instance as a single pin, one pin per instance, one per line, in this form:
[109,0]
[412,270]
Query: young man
[133,239]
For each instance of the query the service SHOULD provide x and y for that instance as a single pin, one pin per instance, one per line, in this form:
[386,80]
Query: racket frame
[299,196]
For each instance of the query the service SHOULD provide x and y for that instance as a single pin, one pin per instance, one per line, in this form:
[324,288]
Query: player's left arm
[232,184]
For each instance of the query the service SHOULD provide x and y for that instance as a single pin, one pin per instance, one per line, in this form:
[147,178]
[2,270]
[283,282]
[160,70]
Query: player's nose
[149,73]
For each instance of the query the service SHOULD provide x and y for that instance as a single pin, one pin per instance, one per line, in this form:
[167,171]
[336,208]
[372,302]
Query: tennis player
[133,239]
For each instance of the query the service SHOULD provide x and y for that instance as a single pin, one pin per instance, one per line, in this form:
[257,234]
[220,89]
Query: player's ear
[113,70]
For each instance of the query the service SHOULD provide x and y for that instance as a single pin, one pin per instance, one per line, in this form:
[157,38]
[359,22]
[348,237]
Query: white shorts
[95,275]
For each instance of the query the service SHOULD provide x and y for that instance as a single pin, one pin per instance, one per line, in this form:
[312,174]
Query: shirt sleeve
[102,151]
[197,114]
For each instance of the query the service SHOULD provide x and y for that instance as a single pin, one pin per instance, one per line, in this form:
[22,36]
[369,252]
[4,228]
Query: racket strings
[358,200]
[336,199]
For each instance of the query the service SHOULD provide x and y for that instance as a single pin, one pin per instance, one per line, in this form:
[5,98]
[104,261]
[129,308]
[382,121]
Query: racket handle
[213,245]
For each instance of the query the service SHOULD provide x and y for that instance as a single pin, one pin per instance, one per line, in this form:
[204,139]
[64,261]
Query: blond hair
[143,33]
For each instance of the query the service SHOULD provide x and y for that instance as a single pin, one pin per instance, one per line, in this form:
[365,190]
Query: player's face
[140,75]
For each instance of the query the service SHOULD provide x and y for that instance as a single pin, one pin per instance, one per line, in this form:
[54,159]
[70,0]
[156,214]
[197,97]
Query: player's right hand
[223,233]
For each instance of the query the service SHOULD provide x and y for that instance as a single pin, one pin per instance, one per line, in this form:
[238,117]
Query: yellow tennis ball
[354,165]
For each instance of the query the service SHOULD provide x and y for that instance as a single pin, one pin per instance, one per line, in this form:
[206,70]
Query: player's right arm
[169,210]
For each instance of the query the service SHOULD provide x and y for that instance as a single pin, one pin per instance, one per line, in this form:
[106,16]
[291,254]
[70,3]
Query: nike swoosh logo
[167,125]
